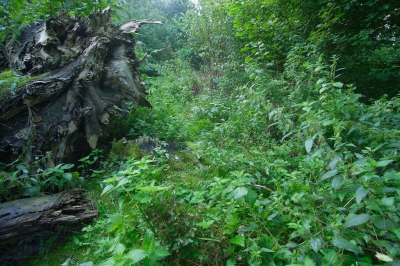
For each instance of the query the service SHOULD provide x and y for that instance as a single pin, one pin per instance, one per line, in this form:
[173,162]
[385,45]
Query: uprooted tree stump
[92,71]
[23,222]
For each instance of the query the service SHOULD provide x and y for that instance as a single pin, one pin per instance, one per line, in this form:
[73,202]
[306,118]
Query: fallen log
[24,221]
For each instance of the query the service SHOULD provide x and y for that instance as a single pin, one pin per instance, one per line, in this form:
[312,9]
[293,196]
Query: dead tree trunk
[92,72]
[25,221]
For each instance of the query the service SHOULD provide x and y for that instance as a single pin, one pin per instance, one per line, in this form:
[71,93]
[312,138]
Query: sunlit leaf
[119,249]
[137,255]
[205,224]
[383,257]
[338,85]
[238,240]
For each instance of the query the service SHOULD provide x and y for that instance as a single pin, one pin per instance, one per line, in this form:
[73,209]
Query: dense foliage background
[278,131]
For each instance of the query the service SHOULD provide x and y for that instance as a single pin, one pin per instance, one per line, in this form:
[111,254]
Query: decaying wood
[22,221]
[25,217]
[92,73]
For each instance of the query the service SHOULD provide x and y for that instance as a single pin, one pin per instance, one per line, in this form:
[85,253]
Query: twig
[7,126]
[349,202]
[264,187]
[272,236]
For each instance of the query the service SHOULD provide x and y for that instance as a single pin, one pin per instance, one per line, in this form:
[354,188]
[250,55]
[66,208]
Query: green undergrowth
[310,181]
[287,119]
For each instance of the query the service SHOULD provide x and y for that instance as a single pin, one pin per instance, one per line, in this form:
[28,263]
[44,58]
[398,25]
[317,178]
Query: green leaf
[330,258]
[66,166]
[89,263]
[383,224]
[148,238]
[252,227]
[13,85]
[308,144]
[152,188]
[238,240]
[267,250]
[107,262]
[66,262]
[122,182]
[315,243]
[247,59]
[137,255]
[205,224]
[231,262]
[388,201]
[142,197]
[251,196]
[383,163]
[337,182]
[360,194]
[272,216]
[107,189]
[121,201]
[357,220]
[115,221]
[329,174]
[67,176]
[119,249]
[338,85]
[239,192]
[308,262]
[160,252]
[347,245]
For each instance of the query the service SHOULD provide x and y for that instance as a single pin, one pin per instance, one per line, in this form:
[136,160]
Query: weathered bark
[92,70]
[24,221]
